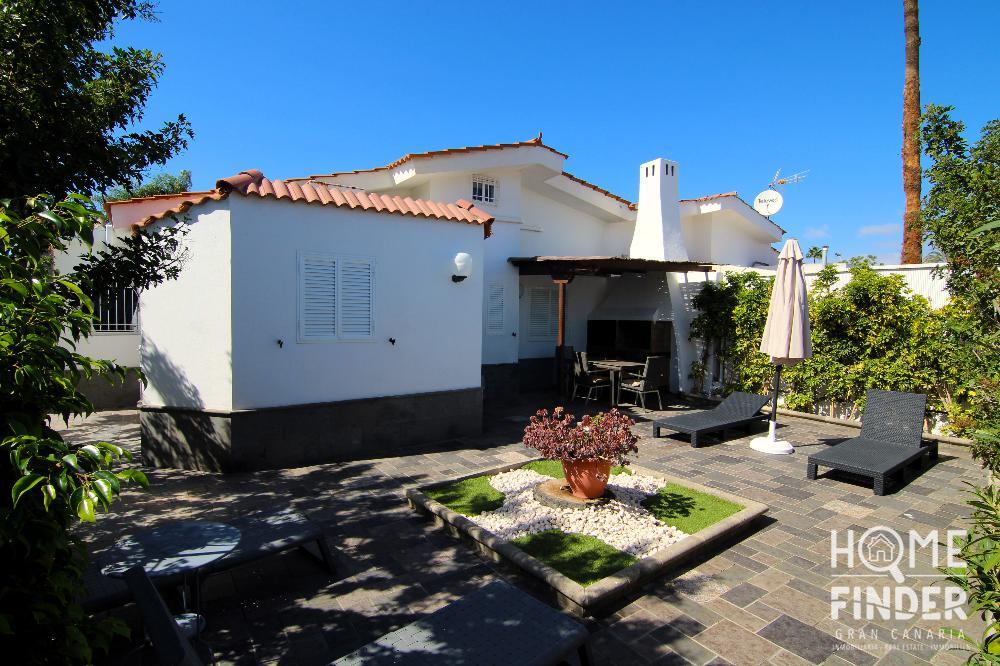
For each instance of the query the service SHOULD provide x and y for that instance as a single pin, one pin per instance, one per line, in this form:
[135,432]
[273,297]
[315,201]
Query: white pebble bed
[622,523]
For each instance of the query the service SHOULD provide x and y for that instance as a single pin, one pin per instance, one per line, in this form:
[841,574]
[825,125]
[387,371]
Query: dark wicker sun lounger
[739,410]
[261,534]
[497,625]
[891,431]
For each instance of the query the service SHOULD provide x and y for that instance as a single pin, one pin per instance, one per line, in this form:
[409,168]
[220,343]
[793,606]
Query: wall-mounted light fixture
[463,267]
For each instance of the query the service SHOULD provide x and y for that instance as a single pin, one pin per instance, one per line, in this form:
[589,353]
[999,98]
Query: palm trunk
[912,231]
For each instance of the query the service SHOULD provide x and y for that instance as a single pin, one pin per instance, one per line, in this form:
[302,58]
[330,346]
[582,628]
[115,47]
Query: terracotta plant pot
[587,478]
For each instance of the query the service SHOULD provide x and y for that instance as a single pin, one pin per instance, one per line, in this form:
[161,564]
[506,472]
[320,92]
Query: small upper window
[484,189]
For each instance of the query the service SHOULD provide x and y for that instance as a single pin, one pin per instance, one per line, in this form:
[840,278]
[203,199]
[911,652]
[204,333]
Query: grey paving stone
[744,595]
[808,642]
[398,566]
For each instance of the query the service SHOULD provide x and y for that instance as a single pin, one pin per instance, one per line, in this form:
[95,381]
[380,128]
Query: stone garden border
[569,594]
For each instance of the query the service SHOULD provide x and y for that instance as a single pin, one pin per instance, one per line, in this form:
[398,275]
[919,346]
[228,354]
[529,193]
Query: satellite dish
[768,202]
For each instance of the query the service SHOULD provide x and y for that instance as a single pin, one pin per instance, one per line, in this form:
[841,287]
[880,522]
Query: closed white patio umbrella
[786,333]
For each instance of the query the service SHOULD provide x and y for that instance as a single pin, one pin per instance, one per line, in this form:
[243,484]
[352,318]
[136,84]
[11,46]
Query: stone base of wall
[105,394]
[501,383]
[302,435]
[537,374]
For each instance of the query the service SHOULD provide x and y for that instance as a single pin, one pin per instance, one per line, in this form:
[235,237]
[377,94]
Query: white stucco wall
[455,186]
[437,324]
[566,231]
[502,347]
[186,323]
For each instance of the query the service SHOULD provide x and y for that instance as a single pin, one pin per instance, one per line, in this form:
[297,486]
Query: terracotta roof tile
[536,142]
[252,183]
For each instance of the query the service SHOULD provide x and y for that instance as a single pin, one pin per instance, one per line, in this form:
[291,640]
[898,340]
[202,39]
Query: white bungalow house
[352,314]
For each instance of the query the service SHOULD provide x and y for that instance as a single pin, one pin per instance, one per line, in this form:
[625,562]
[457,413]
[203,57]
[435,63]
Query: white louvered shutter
[494,308]
[317,297]
[543,312]
[357,298]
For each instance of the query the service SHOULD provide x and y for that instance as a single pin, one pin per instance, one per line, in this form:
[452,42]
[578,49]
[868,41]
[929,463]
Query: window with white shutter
[357,296]
[317,297]
[494,308]
[336,297]
[543,312]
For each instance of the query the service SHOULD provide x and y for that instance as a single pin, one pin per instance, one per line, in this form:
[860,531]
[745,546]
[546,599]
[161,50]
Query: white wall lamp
[463,267]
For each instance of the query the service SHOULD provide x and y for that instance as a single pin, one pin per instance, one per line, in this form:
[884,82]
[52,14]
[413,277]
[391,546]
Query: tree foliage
[68,108]
[964,197]
[49,484]
[163,183]
[962,221]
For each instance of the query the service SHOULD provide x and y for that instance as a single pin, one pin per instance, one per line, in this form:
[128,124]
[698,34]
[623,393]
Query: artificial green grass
[554,468]
[688,510]
[469,497]
[583,558]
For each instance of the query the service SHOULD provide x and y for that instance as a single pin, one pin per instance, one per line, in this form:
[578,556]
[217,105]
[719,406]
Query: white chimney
[658,221]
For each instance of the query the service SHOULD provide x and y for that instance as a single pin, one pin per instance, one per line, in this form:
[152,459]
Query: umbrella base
[771,444]
[775,447]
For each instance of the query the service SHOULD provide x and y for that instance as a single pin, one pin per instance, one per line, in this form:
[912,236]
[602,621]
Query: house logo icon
[880,550]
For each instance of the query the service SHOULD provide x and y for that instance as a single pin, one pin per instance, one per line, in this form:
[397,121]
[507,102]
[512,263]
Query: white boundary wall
[922,279]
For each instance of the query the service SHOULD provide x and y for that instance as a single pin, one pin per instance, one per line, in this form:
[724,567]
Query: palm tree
[814,253]
[912,231]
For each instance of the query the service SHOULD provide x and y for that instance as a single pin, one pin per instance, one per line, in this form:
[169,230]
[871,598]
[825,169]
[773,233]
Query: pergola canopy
[601,266]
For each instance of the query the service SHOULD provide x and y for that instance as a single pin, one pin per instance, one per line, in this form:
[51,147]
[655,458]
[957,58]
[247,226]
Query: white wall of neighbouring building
[120,347]
[925,280]
[187,350]
[435,322]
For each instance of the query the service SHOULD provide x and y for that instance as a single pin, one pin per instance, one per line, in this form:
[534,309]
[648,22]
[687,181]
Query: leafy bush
[870,333]
[51,484]
[605,436]
[980,577]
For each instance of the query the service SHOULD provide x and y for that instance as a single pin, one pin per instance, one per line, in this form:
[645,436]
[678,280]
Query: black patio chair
[652,378]
[738,410]
[891,439]
[584,377]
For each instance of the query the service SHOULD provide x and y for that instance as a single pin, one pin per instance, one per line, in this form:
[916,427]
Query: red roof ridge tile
[252,182]
[535,142]
[709,197]
[597,188]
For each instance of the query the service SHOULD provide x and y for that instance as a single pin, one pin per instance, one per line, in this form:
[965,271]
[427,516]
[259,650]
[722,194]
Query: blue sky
[732,90]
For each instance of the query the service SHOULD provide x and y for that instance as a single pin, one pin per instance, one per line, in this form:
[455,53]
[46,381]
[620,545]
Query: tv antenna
[794,178]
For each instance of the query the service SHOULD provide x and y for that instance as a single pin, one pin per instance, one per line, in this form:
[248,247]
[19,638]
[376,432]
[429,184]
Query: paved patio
[765,599]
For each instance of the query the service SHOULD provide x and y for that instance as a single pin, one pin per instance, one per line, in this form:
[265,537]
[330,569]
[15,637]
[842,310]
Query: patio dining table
[176,550]
[616,367]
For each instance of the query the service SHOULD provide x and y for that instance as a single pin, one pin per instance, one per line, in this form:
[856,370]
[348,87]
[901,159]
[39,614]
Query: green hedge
[872,332]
